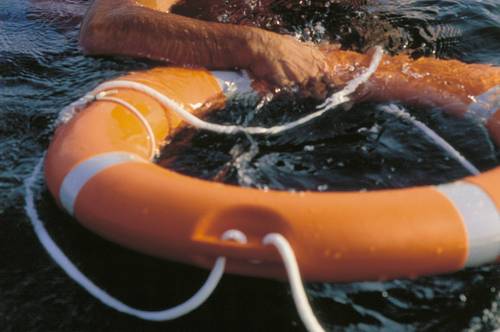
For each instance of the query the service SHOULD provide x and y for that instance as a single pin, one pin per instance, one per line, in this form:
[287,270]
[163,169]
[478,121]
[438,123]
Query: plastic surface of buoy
[99,168]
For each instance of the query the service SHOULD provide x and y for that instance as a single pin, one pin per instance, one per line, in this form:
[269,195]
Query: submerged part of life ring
[99,168]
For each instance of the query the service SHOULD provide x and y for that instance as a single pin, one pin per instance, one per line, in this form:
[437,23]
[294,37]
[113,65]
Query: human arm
[127,27]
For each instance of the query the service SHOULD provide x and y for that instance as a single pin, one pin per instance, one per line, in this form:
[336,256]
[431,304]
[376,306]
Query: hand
[282,61]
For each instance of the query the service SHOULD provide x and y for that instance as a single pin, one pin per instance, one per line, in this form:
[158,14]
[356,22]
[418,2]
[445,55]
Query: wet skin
[160,30]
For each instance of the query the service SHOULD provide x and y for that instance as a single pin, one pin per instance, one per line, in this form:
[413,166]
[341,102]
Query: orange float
[99,168]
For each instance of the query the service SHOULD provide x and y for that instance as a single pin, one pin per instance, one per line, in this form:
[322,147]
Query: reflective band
[481,220]
[485,105]
[76,179]
[232,82]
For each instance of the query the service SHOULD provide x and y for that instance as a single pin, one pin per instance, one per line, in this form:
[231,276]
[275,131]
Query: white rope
[74,273]
[336,99]
[299,295]
[138,115]
[342,96]
[55,252]
[68,112]
[215,275]
[438,140]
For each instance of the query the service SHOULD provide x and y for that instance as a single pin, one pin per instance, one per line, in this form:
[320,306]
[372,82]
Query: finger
[318,89]
[272,75]
[279,78]
[328,80]
[293,75]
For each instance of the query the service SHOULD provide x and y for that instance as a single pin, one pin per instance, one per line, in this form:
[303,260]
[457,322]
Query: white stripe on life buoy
[76,179]
[233,82]
[481,220]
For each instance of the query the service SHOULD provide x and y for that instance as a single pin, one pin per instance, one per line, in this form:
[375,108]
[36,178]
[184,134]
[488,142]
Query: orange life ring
[99,168]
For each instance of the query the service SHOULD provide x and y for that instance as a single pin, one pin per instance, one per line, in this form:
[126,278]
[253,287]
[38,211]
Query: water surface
[42,70]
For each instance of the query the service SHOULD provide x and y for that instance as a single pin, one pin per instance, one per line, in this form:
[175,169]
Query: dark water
[356,149]
[41,70]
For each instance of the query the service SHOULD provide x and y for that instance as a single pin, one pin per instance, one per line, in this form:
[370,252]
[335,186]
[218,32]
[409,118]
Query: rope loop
[333,101]
[102,93]
[58,256]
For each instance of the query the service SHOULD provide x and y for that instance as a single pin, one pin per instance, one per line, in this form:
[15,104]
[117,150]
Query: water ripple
[42,70]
